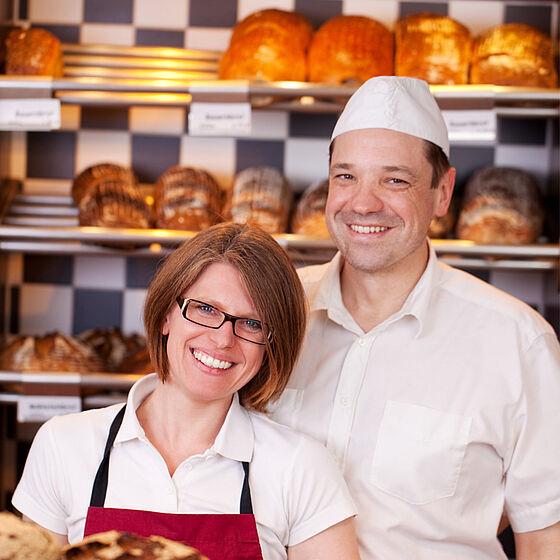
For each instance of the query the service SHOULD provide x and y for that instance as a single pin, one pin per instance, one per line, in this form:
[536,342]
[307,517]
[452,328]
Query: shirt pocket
[419,453]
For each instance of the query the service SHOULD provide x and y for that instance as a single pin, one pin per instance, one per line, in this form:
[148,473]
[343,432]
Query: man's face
[380,203]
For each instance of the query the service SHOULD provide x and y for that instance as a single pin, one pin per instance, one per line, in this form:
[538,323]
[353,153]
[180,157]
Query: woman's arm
[334,543]
[543,544]
[62,539]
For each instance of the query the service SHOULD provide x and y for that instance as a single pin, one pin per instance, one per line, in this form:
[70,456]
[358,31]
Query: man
[438,394]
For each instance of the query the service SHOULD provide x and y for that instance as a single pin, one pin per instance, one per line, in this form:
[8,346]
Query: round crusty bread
[115,545]
[21,540]
[309,215]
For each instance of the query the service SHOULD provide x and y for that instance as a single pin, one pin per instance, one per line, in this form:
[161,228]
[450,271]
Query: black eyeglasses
[209,316]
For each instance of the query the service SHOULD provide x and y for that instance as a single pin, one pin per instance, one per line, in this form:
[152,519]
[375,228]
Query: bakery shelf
[106,381]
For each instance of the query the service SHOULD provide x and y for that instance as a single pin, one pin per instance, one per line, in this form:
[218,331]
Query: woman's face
[207,364]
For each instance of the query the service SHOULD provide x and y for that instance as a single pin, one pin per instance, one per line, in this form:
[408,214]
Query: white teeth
[368,229]
[211,362]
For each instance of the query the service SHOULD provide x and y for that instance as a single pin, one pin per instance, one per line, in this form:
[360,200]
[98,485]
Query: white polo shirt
[296,487]
[437,417]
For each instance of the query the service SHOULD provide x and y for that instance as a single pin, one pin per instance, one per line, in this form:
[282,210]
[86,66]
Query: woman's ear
[165,328]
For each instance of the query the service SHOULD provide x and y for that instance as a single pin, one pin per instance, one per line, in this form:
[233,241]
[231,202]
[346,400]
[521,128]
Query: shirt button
[345,401]
[361,341]
[188,467]
[170,490]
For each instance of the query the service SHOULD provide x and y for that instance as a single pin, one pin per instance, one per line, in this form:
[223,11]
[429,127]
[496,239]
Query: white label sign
[471,125]
[220,119]
[29,114]
[39,408]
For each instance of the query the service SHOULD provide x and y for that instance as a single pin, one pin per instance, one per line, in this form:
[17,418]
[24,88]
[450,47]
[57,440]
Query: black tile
[318,11]
[159,38]
[551,226]
[23,9]
[50,155]
[259,153]
[48,269]
[140,271]
[22,450]
[467,160]
[522,131]
[480,274]
[304,125]
[96,308]
[152,155]
[552,315]
[203,13]
[108,11]
[407,8]
[112,118]
[14,310]
[66,33]
[539,16]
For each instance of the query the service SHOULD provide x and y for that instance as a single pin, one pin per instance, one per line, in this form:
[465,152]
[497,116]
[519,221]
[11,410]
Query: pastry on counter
[22,540]
[514,54]
[501,206]
[262,196]
[33,52]
[53,352]
[268,45]
[350,49]
[433,48]
[107,195]
[187,198]
[309,214]
[117,545]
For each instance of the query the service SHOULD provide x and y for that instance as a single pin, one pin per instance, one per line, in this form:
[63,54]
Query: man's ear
[445,192]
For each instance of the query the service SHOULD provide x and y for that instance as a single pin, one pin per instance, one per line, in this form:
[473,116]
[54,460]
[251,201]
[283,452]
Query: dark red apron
[217,536]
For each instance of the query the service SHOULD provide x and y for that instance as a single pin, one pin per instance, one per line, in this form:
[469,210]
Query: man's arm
[543,544]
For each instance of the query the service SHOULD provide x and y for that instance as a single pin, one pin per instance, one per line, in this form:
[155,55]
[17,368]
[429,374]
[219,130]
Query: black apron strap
[246,504]
[99,489]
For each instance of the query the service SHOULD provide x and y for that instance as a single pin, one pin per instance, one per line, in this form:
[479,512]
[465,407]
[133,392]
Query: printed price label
[220,119]
[39,408]
[471,125]
[29,114]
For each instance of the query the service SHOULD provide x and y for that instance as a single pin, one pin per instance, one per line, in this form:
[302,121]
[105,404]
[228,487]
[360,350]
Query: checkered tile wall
[72,294]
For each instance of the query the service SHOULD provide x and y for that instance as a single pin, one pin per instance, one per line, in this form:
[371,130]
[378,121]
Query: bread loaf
[513,54]
[502,206]
[116,545]
[261,196]
[350,49]
[33,52]
[53,352]
[137,362]
[268,45]
[309,214]
[187,199]
[433,48]
[107,195]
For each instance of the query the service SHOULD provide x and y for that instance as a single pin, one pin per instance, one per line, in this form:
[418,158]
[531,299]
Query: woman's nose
[224,336]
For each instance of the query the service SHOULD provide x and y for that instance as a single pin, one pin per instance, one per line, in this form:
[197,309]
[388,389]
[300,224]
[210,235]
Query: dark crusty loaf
[187,198]
[501,205]
[513,54]
[115,545]
[433,48]
[137,361]
[261,196]
[350,49]
[33,52]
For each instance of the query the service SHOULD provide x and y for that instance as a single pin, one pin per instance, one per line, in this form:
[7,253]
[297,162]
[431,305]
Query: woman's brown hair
[272,283]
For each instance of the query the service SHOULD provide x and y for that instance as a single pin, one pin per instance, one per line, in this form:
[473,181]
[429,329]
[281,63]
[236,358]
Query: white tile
[533,159]
[270,124]
[477,15]
[207,38]
[385,12]
[247,7]
[157,120]
[94,147]
[306,160]
[133,309]
[107,34]
[45,308]
[163,14]
[99,272]
[215,155]
[70,117]
[56,11]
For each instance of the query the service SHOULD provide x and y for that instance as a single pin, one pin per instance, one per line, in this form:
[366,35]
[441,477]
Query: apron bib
[217,536]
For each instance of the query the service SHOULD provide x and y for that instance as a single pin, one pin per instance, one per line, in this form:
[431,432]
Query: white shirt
[437,416]
[296,488]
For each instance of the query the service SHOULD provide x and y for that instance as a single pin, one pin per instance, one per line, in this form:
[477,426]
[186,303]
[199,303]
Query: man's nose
[367,198]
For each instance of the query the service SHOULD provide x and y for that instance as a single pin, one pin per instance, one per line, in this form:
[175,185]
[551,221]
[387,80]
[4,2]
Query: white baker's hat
[396,103]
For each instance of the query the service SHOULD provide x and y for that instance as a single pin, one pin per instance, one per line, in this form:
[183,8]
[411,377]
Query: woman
[224,320]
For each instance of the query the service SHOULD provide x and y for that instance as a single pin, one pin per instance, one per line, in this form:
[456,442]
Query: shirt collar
[235,439]
[328,296]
